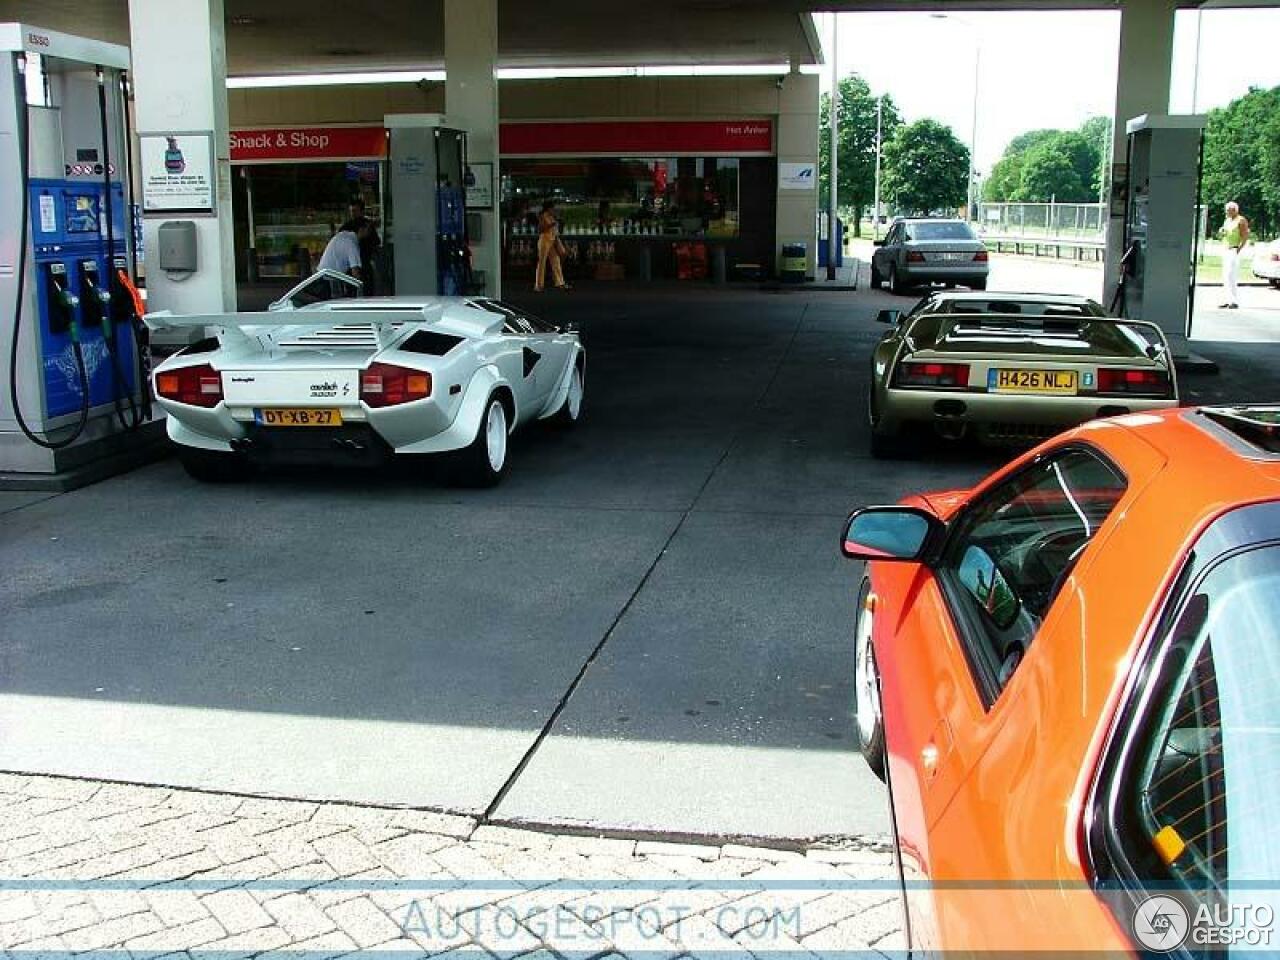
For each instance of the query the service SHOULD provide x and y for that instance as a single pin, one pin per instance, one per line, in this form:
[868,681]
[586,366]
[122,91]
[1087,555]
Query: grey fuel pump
[1161,224]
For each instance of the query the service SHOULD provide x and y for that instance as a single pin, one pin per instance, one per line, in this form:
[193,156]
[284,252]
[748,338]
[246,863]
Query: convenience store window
[674,196]
[287,212]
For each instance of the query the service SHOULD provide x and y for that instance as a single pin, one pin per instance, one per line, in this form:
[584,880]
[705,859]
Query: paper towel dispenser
[177,241]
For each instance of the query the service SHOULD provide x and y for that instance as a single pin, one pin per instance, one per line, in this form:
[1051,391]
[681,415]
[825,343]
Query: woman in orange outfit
[549,248]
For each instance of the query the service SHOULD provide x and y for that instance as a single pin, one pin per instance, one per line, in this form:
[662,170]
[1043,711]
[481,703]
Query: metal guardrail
[1060,248]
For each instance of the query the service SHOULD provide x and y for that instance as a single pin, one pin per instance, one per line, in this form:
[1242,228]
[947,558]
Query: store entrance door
[292,189]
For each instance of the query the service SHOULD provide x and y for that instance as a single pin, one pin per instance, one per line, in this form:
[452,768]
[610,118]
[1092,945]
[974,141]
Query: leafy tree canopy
[856,149]
[926,168]
[1043,165]
[1242,160]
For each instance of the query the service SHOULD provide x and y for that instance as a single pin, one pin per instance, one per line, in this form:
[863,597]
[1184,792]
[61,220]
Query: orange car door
[970,622]
[928,697]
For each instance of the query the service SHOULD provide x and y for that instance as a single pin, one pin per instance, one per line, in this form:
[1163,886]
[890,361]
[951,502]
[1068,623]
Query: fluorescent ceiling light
[334,79]
[565,73]
[512,73]
[716,70]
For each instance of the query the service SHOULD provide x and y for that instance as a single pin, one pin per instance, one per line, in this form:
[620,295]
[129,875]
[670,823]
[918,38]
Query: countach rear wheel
[208,466]
[876,279]
[484,461]
[868,713]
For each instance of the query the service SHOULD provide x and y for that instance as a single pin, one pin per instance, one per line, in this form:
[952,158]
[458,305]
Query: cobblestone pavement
[91,868]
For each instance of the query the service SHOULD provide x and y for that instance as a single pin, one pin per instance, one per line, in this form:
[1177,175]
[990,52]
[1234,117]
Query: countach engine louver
[354,335]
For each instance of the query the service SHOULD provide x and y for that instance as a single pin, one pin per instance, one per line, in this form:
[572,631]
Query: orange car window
[1012,551]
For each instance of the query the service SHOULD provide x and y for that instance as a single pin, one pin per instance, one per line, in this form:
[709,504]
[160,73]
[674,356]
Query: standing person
[342,253]
[370,243]
[1235,234]
[549,248]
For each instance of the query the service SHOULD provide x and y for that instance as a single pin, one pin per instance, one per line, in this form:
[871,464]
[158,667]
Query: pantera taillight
[932,376]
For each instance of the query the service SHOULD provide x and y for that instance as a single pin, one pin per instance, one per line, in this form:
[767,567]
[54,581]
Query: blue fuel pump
[74,304]
[75,371]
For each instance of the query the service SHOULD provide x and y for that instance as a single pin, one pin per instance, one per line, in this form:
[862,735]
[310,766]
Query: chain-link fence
[1065,221]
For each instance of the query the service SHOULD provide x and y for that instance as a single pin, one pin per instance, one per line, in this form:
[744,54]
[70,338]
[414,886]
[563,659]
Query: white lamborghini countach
[364,381]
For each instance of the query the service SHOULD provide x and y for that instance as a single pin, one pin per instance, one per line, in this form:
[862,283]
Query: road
[646,628]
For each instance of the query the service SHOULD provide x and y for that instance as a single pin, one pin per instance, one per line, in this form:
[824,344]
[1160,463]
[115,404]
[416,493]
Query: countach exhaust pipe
[346,445]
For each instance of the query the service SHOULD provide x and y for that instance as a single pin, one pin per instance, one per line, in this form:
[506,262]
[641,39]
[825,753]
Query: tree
[1270,139]
[1242,158]
[856,153]
[1006,173]
[1048,172]
[1066,165]
[1097,130]
[926,168]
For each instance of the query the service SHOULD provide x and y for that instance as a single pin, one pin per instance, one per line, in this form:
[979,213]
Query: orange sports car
[1069,677]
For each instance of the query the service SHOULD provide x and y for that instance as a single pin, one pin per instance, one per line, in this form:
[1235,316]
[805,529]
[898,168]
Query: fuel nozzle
[127,306]
[64,306]
[97,299]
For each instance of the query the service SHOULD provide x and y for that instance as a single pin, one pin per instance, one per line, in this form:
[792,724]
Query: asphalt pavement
[646,628]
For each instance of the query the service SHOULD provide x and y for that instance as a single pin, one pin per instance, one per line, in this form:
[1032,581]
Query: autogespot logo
[1161,923]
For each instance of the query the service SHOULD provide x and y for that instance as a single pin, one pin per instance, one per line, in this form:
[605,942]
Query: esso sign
[37,40]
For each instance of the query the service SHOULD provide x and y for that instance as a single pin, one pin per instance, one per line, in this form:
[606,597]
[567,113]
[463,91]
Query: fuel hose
[119,384]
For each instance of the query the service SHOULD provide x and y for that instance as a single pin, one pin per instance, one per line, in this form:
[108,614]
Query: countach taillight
[386,385]
[1134,383]
[981,256]
[915,256]
[198,386]
[932,376]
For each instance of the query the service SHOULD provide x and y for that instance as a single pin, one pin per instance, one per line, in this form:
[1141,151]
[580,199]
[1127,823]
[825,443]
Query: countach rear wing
[266,326]
[340,320]
[272,328]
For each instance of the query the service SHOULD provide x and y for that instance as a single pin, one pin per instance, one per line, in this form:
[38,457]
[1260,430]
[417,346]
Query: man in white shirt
[342,253]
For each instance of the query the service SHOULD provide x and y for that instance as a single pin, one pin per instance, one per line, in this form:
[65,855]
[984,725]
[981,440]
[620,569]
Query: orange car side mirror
[902,534]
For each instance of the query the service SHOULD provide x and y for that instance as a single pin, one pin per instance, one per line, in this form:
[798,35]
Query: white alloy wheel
[866,685]
[573,404]
[495,435]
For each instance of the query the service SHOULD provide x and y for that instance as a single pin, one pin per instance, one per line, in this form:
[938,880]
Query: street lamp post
[833,234]
[973,130]
[875,207]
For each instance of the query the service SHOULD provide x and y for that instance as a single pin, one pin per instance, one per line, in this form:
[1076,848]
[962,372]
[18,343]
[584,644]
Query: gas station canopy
[294,36]
[300,36]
